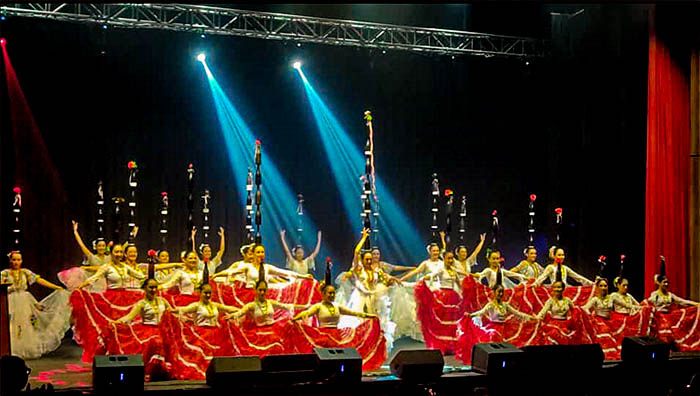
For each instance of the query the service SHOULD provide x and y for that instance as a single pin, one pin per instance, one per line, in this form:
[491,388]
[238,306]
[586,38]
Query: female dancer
[529,267]
[250,270]
[187,279]
[439,307]
[551,270]
[295,259]
[430,265]
[563,325]
[193,345]
[623,302]
[143,338]
[99,257]
[115,273]
[248,258]
[495,325]
[36,328]
[367,338]
[462,261]
[205,250]
[491,272]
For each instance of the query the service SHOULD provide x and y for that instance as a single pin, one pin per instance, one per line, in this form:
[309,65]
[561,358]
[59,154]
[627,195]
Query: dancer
[662,299]
[188,279]
[383,265]
[250,270]
[295,259]
[462,261]
[430,265]
[116,274]
[448,276]
[100,257]
[552,270]
[248,258]
[36,328]
[562,324]
[529,267]
[205,250]
[144,337]
[130,256]
[492,324]
[491,272]
[622,301]
[367,338]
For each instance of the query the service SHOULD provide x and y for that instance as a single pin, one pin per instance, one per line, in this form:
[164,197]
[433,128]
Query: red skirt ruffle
[367,339]
[140,339]
[300,292]
[680,327]
[438,312]
[473,331]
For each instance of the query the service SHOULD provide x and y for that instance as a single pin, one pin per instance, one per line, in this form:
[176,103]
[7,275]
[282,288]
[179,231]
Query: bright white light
[296,65]
[201,57]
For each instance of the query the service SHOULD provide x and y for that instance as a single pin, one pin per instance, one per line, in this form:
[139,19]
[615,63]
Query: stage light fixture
[2,17]
[203,35]
[298,44]
[104,27]
[296,65]
[202,57]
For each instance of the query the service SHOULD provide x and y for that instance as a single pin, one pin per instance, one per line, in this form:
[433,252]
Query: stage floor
[63,368]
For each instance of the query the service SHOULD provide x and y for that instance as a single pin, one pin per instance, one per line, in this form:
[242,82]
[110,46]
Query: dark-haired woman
[74,276]
[529,267]
[675,318]
[494,267]
[566,272]
[494,322]
[464,261]
[143,337]
[439,305]
[36,328]
[561,319]
[367,339]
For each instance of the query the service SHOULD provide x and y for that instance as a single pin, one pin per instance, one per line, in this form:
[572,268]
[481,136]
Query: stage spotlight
[104,27]
[298,44]
[296,65]
[2,17]
[203,35]
[202,57]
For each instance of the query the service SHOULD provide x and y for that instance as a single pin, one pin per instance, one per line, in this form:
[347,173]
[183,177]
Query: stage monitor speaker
[496,357]
[339,365]
[294,368]
[644,350]
[579,359]
[239,370]
[118,372]
[418,364]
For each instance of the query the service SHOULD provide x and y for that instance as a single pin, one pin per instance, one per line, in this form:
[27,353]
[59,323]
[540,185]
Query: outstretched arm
[543,277]
[225,308]
[309,312]
[85,250]
[318,246]
[133,233]
[345,311]
[356,257]
[481,311]
[517,313]
[99,274]
[579,278]
[477,249]
[413,272]
[284,245]
[48,284]
[442,239]
[683,301]
[194,232]
[222,246]
[135,311]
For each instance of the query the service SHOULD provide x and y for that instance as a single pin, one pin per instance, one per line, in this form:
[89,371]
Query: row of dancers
[187,316]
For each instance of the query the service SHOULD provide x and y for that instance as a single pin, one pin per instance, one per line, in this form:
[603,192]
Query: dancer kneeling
[367,339]
[493,324]
[144,337]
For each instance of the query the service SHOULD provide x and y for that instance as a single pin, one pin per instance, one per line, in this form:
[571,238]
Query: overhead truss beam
[265,25]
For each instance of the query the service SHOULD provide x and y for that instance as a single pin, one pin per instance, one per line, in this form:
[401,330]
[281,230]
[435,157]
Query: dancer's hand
[370,316]
[75,226]
[283,232]
[482,237]
[221,231]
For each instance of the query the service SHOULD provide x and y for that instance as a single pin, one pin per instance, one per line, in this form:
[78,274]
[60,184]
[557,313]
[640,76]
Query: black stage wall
[570,129]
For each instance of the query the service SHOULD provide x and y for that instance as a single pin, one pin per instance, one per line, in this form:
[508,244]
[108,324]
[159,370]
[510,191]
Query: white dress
[551,273]
[118,278]
[302,267]
[370,295]
[36,328]
[490,276]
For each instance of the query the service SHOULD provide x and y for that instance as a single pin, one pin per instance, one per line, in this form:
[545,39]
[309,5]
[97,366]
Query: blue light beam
[279,203]
[398,237]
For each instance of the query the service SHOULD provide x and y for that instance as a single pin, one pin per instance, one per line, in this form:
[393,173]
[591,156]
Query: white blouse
[120,277]
[551,273]
[663,303]
[185,280]
[204,315]
[19,280]
[150,312]
[601,307]
[624,304]
[496,312]
[302,267]
[558,309]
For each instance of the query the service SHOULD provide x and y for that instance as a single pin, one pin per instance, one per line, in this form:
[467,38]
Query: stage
[67,374]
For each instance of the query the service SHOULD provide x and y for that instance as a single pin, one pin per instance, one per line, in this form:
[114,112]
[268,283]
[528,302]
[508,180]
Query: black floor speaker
[291,369]
[417,364]
[239,370]
[118,372]
[644,350]
[496,358]
[338,365]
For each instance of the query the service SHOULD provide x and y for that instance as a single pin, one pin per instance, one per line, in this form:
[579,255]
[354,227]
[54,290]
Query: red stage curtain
[668,163]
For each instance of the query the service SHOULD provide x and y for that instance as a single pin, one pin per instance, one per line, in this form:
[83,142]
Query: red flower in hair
[191,166]
[448,192]
[533,197]
[164,193]
[501,260]
[257,142]
[131,165]
[601,258]
[557,210]
[151,252]
[17,190]
[110,243]
[495,212]
[622,257]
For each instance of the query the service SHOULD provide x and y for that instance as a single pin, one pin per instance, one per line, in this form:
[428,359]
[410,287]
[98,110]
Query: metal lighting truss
[300,29]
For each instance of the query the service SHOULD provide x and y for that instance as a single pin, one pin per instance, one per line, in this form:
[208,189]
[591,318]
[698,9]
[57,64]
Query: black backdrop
[570,129]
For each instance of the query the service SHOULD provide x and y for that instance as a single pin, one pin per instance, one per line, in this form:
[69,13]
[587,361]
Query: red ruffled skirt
[680,326]
[300,292]
[438,312]
[140,339]
[473,331]
[367,339]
